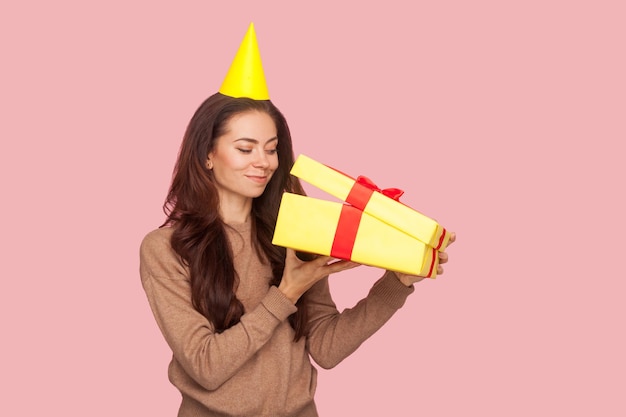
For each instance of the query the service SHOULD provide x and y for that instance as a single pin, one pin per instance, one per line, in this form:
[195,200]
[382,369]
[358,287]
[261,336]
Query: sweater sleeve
[210,358]
[333,336]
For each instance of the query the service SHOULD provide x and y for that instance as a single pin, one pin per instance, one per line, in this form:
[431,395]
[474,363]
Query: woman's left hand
[299,275]
[409,280]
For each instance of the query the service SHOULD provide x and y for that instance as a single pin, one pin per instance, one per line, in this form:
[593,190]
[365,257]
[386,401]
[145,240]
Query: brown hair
[192,203]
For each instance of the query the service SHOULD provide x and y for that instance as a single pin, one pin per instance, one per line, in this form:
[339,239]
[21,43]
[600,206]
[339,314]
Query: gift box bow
[361,193]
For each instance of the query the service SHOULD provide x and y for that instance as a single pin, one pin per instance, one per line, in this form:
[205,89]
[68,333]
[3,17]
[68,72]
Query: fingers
[322,260]
[324,265]
[339,266]
[292,256]
[443,257]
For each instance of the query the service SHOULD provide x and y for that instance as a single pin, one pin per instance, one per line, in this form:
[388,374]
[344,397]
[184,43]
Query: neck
[235,212]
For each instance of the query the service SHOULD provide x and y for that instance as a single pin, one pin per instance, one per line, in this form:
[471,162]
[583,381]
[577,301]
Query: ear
[209,162]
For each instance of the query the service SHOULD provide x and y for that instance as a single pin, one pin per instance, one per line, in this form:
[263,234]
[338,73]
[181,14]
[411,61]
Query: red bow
[393,193]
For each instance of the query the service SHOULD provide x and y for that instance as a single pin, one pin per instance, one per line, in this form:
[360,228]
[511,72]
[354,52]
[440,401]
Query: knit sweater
[254,368]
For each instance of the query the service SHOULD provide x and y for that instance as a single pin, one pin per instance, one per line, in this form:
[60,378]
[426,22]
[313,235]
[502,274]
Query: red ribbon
[345,235]
[363,189]
[351,213]
[440,243]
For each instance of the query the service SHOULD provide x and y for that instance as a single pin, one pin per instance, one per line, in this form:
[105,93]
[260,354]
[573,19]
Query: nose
[261,161]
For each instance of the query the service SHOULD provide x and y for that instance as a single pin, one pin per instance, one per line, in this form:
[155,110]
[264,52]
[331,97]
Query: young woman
[244,317]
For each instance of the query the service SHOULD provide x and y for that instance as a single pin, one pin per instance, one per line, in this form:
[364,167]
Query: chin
[256,193]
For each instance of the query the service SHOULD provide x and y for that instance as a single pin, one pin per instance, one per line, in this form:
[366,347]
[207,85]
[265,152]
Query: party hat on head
[245,77]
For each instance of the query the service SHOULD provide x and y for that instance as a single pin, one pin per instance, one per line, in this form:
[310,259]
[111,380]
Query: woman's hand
[409,280]
[299,276]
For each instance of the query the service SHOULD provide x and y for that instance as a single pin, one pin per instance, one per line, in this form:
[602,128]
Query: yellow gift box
[364,195]
[343,231]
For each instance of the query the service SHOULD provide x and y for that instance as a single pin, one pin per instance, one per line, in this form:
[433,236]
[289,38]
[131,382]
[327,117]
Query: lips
[260,179]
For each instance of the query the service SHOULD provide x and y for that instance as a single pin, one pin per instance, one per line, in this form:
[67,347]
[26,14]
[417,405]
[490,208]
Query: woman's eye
[272,151]
[242,150]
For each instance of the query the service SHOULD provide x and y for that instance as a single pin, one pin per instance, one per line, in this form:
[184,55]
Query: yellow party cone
[245,77]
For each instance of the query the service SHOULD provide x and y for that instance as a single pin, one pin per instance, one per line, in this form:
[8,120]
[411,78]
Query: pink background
[501,119]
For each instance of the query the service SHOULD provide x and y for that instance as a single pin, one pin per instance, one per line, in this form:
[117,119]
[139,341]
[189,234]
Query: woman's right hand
[299,275]
[409,280]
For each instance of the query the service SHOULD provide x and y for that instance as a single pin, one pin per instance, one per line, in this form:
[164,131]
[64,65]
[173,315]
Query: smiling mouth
[258,179]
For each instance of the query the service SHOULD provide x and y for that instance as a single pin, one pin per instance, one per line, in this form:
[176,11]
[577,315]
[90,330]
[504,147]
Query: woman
[242,316]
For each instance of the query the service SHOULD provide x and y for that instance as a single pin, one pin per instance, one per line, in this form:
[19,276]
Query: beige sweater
[254,368]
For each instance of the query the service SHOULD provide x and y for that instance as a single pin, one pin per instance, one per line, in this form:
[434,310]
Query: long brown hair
[199,236]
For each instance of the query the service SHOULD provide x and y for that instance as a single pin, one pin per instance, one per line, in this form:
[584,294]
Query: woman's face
[245,157]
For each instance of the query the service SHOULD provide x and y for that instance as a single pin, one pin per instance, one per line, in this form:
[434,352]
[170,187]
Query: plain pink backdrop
[504,120]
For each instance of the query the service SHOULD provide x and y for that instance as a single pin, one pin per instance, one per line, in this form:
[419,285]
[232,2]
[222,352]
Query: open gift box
[371,228]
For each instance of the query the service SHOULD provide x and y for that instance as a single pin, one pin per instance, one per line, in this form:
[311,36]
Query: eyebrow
[255,141]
